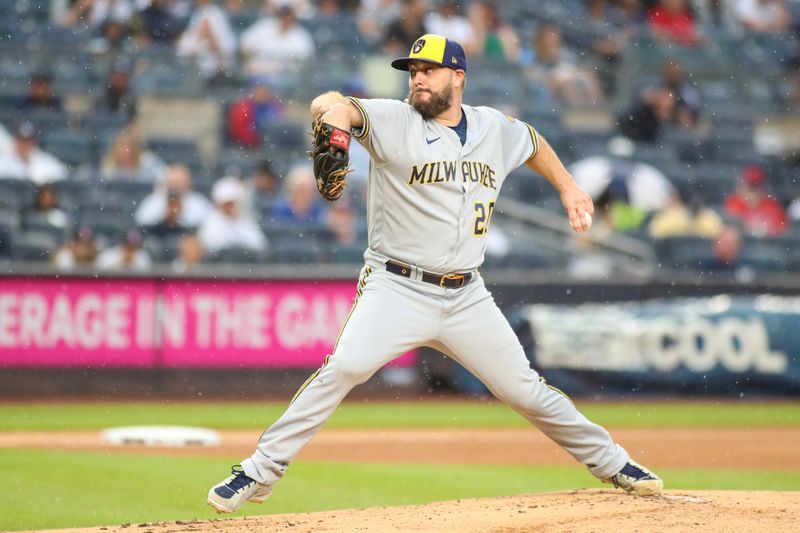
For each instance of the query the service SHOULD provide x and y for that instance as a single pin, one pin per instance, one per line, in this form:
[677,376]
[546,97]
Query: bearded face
[429,103]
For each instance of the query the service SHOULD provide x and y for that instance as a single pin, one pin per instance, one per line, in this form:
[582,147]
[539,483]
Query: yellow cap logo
[418,46]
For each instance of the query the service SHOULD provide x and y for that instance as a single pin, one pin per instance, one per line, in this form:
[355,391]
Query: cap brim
[402,62]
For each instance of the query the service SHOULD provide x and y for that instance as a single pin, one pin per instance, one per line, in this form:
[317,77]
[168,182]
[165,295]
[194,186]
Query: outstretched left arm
[574,199]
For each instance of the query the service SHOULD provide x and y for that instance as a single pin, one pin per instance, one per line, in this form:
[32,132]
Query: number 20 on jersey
[483,216]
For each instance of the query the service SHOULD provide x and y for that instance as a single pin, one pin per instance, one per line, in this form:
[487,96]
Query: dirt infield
[581,511]
[575,511]
[670,447]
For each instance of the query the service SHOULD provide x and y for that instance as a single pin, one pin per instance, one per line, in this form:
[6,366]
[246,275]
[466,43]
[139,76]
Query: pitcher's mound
[579,511]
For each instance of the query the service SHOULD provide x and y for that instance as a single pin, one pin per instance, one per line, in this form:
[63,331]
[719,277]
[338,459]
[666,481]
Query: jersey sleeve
[386,123]
[520,140]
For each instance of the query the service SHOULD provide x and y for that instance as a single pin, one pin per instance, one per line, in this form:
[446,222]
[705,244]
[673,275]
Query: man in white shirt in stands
[26,160]
[227,226]
[195,207]
[276,45]
[209,38]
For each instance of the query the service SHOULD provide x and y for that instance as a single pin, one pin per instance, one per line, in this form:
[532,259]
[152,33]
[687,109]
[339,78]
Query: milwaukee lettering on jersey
[448,171]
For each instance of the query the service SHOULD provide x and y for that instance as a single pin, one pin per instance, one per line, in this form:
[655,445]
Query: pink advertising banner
[172,323]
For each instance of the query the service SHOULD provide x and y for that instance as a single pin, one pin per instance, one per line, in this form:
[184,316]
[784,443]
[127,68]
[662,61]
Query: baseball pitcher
[436,169]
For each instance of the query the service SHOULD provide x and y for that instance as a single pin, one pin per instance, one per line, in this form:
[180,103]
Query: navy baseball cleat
[235,490]
[636,479]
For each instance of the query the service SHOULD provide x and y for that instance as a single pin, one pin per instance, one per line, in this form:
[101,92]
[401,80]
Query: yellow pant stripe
[562,393]
[307,382]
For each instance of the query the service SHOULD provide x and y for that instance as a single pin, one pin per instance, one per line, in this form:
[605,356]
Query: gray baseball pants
[392,315]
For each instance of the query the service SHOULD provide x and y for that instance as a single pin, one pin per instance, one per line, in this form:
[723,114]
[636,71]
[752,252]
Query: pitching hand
[578,206]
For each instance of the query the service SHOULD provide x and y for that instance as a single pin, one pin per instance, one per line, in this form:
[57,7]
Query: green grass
[43,489]
[223,415]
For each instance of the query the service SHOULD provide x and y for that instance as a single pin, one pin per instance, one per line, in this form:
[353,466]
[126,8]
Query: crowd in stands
[682,82]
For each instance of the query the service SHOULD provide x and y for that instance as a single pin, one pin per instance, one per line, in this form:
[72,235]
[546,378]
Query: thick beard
[435,106]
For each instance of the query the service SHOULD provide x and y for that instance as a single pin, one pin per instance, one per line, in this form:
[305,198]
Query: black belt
[447,281]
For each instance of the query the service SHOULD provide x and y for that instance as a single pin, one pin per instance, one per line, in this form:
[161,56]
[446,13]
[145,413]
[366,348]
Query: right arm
[337,110]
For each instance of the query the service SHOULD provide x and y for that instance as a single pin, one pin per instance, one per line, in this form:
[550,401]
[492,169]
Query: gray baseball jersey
[430,202]
[430,199]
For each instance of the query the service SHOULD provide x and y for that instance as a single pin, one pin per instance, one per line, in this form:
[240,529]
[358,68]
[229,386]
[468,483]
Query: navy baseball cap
[436,49]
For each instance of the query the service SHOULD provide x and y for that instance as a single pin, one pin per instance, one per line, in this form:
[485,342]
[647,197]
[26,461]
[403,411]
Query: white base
[160,436]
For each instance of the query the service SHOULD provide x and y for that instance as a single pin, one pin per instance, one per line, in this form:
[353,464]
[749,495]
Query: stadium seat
[683,252]
[125,192]
[34,222]
[72,192]
[175,150]
[99,125]
[9,225]
[16,192]
[768,254]
[284,230]
[286,136]
[238,255]
[298,251]
[70,147]
[33,246]
[47,121]
[348,253]
[108,223]
[531,257]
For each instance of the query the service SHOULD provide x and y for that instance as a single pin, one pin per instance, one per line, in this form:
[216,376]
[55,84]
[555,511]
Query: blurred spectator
[227,226]
[407,28]
[629,13]
[334,24]
[793,97]
[726,255]
[625,190]
[494,38]
[209,39]
[621,214]
[498,245]
[685,215]
[762,16]
[554,72]
[118,97]
[158,24]
[793,211]
[79,252]
[687,98]
[249,114]
[93,13]
[6,141]
[759,213]
[448,21]
[45,207]
[190,254]
[40,95]
[174,198]
[646,120]
[27,161]
[127,255]
[605,37]
[261,191]
[276,45]
[300,200]
[112,38]
[303,9]
[172,224]
[127,158]
[716,14]
[673,21]
[375,16]
[341,220]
